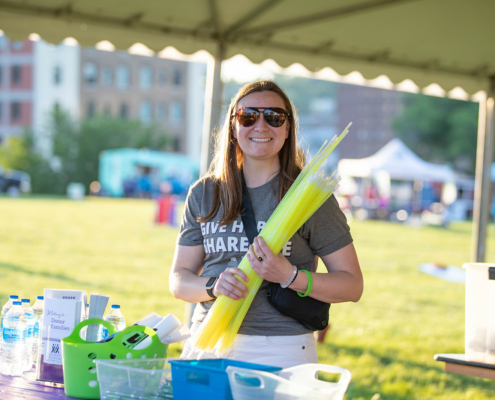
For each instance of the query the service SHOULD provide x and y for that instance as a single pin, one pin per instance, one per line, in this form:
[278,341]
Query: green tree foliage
[76,149]
[440,129]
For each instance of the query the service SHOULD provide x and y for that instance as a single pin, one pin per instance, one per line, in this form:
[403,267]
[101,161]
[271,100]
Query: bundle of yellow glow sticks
[308,192]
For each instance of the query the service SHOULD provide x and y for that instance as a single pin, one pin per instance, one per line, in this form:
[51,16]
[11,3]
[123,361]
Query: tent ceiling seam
[72,16]
[249,17]
[215,18]
[382,57]
[340,12]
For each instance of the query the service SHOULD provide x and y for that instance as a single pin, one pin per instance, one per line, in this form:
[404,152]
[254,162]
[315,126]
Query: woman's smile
[260,140]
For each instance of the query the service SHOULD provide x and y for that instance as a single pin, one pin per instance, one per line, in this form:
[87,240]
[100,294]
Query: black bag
[311,313]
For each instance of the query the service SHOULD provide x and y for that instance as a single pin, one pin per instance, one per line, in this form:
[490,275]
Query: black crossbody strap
[247,214]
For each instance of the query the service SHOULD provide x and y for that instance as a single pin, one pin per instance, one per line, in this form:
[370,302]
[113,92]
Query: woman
[258,143]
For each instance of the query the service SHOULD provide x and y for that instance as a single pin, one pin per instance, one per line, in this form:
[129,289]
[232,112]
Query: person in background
[258,144]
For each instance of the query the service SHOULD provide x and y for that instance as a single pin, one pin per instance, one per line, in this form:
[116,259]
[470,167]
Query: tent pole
[211,119]
[482,189]
[213,106]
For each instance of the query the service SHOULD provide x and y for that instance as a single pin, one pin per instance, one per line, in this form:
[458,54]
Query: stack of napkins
[97,305]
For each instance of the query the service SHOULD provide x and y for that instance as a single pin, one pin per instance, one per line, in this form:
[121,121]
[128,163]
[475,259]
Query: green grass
[387,340]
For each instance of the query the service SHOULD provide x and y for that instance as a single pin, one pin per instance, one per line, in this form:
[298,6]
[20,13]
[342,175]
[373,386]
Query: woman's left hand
[272,267]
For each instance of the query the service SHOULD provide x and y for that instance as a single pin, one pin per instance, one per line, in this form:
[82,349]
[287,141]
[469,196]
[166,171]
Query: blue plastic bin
[207,379]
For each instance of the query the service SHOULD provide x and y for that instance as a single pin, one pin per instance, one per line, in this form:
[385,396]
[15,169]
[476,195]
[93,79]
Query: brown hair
[226,167]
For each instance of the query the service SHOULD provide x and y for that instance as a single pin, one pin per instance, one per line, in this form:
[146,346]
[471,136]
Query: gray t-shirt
[325,232]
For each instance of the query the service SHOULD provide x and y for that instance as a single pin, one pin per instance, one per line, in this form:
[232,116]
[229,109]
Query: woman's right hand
[228,285]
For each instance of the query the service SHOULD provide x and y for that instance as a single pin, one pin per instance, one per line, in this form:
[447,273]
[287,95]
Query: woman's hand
[272,267]
[228,285]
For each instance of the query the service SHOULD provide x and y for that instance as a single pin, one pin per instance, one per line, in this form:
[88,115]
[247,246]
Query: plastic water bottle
[116,318]
[29,329]
[38,308]
[5,310]
[13,341]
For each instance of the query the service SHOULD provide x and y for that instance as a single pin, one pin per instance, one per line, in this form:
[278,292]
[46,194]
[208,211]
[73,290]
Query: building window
[176,113]
[17,45]
[145,111]
[57,75]
[107,110]
[15,111]
[90,110]
[162,77]
[145,78]
[124,111]
[90,73]
[161,112]
[176,144]
[177,77]
[16,74]
[123,77]
[106,76]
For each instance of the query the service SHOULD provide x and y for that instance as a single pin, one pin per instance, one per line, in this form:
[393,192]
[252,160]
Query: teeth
[260,140]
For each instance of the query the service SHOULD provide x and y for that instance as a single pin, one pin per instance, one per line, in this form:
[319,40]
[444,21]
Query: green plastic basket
[80,379]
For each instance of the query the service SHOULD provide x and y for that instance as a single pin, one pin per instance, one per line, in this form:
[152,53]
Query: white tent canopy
[431,42]
[447,42]
[399,162]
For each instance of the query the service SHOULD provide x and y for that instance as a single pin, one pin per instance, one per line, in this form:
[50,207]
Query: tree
[76,149]
[440,129]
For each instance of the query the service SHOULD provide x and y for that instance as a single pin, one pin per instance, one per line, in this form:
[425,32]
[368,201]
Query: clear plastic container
[140,379]
[296,383]
[477,311]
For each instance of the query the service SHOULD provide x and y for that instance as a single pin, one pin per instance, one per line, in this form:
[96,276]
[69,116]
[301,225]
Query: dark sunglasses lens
[274,118]
[247,116]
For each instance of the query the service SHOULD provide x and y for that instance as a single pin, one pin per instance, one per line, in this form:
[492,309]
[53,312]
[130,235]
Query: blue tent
[146,170]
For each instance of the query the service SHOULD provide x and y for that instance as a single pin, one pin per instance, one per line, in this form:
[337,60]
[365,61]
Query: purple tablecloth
[26,387]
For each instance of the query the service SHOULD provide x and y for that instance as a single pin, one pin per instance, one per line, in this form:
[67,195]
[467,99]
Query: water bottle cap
[13,296]
[115,306]
[40,297]
[26,300]
[17,303]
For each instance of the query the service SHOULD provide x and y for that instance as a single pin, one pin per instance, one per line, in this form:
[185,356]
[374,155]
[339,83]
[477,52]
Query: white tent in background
[399,162]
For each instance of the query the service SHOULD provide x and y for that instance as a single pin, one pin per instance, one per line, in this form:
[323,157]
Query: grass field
[387,340]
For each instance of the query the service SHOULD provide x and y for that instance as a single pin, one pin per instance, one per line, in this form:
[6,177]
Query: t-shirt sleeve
[327,230]
[190,229]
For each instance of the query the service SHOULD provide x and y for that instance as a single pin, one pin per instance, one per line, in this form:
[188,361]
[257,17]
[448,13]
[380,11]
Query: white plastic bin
[296,383]
[480,310]
[140,379]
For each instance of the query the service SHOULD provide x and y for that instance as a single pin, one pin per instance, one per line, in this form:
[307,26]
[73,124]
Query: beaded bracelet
[294,274]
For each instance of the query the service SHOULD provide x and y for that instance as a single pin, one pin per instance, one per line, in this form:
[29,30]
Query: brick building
[35,76]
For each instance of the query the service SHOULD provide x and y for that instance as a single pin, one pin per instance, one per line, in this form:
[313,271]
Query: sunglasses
[274,116]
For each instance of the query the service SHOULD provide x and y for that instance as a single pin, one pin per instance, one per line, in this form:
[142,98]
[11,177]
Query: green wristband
[310,284]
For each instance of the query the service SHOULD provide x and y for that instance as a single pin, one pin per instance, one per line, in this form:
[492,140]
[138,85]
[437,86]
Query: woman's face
[261,141]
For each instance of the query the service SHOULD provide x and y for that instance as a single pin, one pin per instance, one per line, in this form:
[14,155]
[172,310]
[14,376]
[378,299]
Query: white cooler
[480,312]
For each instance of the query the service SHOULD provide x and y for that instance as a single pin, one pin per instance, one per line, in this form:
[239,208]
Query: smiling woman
[257,150]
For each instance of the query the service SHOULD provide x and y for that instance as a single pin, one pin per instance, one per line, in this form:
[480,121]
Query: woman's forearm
[186,285]
[332,287]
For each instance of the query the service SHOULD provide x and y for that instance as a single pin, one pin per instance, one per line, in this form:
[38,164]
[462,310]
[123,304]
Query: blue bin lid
[221,364]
